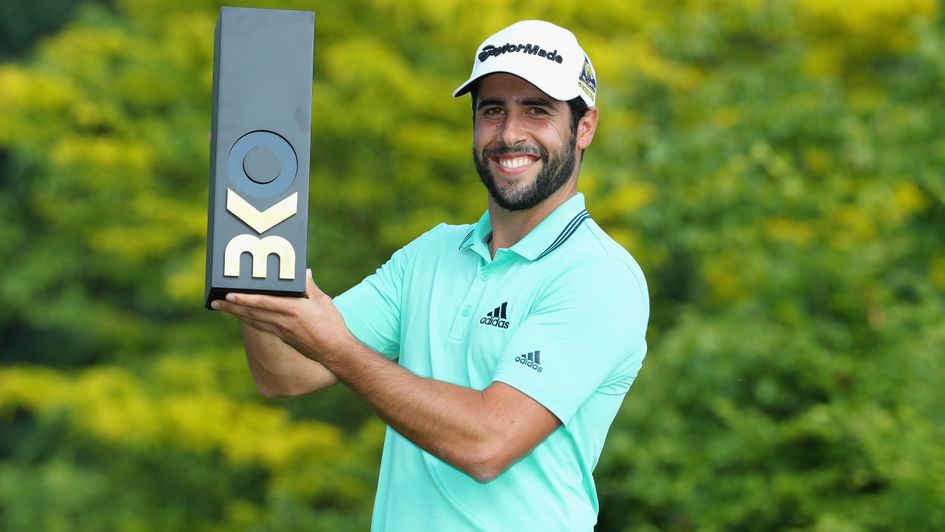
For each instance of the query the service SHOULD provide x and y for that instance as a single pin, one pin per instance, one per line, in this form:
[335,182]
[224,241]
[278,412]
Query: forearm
[478,432]
[466,428]
[279,370]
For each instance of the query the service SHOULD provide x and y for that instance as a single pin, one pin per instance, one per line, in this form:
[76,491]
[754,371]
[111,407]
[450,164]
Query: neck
[508,227]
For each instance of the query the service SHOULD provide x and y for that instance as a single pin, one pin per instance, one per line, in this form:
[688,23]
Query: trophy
[260,137]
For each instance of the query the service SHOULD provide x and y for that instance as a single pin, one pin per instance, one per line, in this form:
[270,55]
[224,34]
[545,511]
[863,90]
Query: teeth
[518,162]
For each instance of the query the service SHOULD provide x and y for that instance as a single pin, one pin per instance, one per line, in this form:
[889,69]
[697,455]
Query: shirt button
[484,276]
[466,311]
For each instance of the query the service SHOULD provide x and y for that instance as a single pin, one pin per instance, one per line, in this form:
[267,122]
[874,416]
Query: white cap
[547,56]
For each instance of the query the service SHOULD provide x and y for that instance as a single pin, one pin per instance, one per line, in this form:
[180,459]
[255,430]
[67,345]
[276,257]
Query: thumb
[311,290]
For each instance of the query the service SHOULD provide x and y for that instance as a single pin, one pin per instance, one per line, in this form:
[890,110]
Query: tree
[774,167]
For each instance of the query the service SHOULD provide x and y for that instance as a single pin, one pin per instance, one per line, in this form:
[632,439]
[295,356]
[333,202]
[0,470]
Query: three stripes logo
[531,360]
[497,317]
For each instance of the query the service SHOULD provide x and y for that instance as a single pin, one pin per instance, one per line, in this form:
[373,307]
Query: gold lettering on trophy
[265,220]
[260,249]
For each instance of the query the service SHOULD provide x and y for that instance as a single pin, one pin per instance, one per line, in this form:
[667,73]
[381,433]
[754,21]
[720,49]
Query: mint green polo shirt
[560,316]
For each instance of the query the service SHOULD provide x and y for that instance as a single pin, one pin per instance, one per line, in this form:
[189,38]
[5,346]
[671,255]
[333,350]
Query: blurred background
[777,167]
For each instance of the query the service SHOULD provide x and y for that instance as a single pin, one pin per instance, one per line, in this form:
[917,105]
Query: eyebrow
[490,101]
[530,101]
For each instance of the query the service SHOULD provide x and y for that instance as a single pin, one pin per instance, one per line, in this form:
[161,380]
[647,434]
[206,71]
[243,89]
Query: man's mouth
[512,163]
[513,160]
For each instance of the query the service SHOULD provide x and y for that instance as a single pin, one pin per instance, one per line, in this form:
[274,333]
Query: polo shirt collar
[550,233]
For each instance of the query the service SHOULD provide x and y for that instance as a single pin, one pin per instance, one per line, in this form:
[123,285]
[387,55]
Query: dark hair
[578,109]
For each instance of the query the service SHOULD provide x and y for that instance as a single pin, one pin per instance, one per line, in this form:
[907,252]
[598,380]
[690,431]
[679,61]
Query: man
[498,353]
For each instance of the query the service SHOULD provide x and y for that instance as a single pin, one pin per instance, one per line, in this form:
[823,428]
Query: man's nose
[513,130]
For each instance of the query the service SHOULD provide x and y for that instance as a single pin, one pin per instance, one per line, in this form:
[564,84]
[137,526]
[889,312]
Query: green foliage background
[776,166]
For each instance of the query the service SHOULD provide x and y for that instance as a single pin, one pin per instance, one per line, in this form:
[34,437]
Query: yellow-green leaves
[774,166]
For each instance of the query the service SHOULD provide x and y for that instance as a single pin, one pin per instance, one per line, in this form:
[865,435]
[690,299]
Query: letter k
[265,220]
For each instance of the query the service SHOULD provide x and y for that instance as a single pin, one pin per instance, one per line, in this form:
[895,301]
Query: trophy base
[220,293]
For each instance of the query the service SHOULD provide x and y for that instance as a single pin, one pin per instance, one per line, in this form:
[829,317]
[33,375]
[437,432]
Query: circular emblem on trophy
[262,164]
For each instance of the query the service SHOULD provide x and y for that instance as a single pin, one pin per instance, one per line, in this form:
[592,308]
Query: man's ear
[586,128]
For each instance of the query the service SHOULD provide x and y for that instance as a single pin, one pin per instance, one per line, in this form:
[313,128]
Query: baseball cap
[543,54]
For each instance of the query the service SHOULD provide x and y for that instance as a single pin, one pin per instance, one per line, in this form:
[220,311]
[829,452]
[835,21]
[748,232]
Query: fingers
[259,301]
[260,307]
[262,327]
[247,307]
[311,289]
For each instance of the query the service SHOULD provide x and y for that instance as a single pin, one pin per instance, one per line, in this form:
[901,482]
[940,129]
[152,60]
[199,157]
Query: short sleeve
[372,308]
[585,334]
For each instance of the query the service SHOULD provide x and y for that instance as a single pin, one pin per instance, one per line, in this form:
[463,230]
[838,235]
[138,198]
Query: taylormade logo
[532,49]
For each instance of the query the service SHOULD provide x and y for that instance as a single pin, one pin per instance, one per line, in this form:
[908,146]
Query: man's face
[523,146]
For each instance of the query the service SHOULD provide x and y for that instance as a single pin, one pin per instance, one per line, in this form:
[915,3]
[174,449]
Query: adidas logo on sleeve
[531,359]
[497,317]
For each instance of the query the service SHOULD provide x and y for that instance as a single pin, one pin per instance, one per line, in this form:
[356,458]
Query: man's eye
[537,111]
[492,111]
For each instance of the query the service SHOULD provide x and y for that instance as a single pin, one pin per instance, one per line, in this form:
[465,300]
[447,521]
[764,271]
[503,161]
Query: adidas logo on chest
[496,317]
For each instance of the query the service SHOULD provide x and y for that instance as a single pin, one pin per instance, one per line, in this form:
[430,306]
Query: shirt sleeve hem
[541,395]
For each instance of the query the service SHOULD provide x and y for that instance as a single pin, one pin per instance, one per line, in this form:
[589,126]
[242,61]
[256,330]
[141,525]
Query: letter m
[260,249]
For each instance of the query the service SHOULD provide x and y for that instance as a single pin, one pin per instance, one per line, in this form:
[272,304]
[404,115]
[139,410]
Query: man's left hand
[311,324]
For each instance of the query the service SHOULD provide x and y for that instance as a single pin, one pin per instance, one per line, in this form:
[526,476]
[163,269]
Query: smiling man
[498,353]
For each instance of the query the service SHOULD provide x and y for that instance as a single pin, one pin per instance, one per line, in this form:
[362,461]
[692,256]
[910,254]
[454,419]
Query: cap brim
[471,82]
[465,87]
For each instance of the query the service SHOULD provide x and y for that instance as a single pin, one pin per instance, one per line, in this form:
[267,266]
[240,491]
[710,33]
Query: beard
[555,171]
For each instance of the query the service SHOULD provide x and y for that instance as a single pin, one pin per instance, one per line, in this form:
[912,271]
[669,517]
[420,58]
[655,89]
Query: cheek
[562,130]
[551,132]
[482,137]
[554,140]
